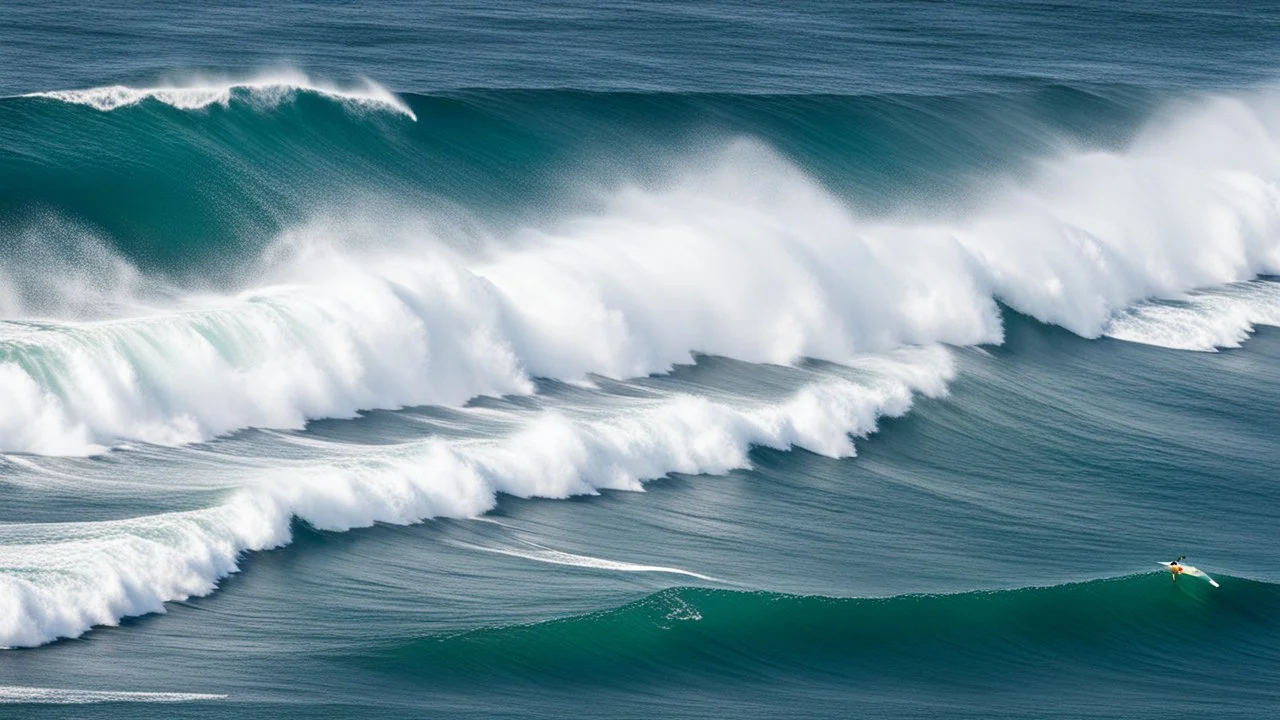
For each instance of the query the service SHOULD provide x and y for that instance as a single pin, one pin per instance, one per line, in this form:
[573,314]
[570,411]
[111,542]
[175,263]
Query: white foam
[1204,320]
[57,696]
[330,330]
[741,255]
[60,579]
[267,90]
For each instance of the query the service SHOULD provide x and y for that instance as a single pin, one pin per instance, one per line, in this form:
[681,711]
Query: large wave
[738,252]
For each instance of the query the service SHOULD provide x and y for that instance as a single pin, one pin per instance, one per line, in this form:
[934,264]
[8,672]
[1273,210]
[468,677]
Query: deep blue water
[629,360]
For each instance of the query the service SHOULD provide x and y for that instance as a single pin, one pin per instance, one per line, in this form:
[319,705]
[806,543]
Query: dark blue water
[687,360]
[845,48]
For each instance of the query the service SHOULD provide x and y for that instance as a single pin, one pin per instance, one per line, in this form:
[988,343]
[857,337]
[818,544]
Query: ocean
[639,360]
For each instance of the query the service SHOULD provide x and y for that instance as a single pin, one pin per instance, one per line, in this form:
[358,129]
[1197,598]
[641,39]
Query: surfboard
[1194,572]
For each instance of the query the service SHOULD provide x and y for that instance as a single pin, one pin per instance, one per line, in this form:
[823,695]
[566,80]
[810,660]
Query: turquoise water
[630,361]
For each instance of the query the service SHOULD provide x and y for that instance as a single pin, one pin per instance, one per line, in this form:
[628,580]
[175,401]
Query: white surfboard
[1194,572]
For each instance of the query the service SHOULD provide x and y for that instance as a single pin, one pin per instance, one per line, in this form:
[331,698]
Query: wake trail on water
[538,553]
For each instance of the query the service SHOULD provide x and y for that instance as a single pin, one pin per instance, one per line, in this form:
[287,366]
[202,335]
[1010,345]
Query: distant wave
[264,90]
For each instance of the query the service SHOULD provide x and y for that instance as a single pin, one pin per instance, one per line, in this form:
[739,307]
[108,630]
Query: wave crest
[264,90]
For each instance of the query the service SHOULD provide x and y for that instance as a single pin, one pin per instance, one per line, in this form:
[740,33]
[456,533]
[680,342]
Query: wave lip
[266,90]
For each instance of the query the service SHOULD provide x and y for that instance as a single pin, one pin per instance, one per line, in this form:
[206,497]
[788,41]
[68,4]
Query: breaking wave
[61,579]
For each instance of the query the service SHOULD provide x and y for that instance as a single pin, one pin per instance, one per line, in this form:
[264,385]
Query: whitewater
[735,252]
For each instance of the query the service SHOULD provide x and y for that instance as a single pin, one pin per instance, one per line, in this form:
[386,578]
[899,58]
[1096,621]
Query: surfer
[1175,567]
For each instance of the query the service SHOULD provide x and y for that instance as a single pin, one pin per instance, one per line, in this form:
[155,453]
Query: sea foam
[1206,320]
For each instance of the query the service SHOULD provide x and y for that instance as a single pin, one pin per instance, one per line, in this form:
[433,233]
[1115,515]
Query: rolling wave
[60,579]
[268,154]
[1120,624]
[737,252]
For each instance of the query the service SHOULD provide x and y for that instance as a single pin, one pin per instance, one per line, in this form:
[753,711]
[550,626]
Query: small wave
[10,695]
[267,90]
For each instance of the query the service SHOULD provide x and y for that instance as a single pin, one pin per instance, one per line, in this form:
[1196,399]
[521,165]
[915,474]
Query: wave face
[248,160]
[974,640]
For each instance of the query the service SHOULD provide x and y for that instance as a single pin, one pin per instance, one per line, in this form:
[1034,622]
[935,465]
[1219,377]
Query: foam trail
[1205,320]
[60,579]
[266,90]
[56,696]
[557,557]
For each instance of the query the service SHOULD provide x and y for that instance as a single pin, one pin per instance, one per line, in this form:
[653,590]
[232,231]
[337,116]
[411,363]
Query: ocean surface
[670,360]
